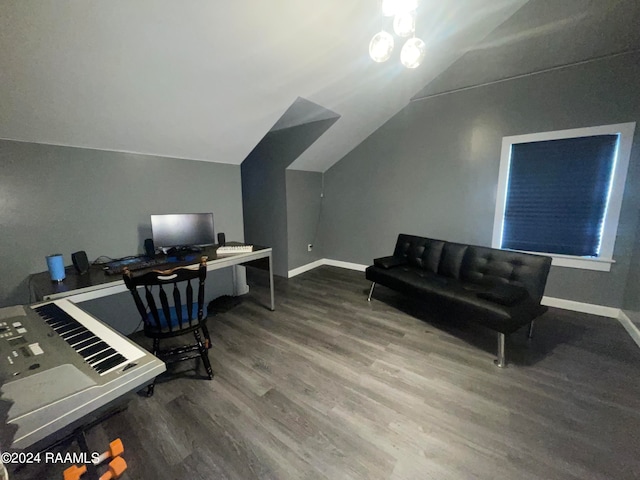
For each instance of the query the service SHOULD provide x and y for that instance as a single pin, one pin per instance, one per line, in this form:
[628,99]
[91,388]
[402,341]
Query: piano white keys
[102,348]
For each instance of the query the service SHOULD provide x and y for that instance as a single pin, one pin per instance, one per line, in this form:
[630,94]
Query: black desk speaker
[80,262]
[221,239]
[149,248]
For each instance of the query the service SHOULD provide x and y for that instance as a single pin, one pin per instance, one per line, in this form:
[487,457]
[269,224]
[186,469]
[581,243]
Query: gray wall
[264,187]
[631,304]
[433,168]
[264,202]
[62,199]
[304,207]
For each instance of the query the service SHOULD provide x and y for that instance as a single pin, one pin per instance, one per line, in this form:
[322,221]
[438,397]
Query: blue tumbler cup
[55,263]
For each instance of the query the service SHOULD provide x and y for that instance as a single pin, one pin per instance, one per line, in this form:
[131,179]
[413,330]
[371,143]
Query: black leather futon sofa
[499,289]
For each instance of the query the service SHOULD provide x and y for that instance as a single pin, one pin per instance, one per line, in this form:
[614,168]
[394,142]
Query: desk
[96,284]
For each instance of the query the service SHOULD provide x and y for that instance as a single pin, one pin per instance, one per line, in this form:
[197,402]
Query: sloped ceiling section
[207,80]
[541,35]
[303,111]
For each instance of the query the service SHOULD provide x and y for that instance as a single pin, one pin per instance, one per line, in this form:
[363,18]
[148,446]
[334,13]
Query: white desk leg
[273,305]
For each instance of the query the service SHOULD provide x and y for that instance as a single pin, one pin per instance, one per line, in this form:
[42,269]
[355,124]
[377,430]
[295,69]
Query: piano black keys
[97,353]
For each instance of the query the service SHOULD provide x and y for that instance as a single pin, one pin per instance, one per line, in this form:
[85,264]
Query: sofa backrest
[490,266]
[419,251]
[475,264]
[451,260]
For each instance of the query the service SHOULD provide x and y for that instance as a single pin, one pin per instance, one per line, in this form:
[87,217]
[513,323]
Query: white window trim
[612,214]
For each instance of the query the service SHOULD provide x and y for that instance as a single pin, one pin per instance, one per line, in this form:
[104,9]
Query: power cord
[135,329]
[315,233]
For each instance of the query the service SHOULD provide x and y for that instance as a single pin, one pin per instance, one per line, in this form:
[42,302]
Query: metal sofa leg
[371,291]
[501,361]
[530,334]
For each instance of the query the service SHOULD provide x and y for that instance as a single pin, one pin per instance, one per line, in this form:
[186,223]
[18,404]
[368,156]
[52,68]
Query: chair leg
[371,291]
[156,348]
[150,388]
[207,338]
[204,354]
[530,334]
[501,361]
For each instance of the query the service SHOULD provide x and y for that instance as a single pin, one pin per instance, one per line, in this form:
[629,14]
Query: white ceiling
[206,80]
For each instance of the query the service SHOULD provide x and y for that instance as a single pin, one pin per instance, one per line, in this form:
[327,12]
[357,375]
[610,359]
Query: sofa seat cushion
[409,279]
[463,299]
[504,294]
[470,303]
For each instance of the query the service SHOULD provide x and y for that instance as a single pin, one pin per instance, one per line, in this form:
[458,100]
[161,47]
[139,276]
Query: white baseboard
[600,310]
[305,268]
[610,312]
[326,261]
[631,328]
[347,265]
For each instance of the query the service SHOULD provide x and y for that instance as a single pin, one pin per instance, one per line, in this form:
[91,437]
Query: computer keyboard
[116,267]
[231,249]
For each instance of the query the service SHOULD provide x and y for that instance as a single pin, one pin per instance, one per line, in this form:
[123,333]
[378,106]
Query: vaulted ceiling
[205,80]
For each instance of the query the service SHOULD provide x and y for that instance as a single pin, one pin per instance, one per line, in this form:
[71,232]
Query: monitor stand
[182,251]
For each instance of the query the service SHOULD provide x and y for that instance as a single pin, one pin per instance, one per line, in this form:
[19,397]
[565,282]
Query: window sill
[570,261]
[599,264]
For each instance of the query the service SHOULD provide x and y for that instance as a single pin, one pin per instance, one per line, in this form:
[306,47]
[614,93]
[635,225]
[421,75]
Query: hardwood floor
[330,386]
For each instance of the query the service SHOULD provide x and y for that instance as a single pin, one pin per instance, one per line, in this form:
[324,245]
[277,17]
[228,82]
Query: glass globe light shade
[394,7]
[381,46]
[413,52]
[406,6]
[404,24]
[389,7]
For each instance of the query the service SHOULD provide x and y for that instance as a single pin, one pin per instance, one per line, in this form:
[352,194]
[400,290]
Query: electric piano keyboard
[59,364]
[98,354]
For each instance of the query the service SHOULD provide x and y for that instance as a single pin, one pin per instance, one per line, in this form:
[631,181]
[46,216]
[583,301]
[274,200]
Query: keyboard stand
[78,434]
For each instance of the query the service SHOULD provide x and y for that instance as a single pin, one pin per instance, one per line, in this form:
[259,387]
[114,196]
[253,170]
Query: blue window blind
[557,195]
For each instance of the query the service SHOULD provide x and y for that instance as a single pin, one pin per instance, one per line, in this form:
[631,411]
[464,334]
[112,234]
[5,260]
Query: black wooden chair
[173,320]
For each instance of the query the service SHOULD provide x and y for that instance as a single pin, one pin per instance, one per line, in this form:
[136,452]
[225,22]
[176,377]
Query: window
[560,193]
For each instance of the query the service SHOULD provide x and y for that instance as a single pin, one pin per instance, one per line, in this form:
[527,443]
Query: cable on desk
[104,259]
[101,260]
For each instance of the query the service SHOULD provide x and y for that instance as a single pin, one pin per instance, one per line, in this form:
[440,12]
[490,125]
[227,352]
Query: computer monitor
[182,230]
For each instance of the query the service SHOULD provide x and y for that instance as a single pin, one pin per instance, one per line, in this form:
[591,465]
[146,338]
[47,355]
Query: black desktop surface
[40,284]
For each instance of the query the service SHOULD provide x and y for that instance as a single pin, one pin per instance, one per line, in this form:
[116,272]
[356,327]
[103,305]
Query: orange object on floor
[116,448]
[74,472]
[117,466]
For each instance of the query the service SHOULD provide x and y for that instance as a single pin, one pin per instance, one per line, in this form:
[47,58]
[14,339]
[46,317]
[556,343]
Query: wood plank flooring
[330,386]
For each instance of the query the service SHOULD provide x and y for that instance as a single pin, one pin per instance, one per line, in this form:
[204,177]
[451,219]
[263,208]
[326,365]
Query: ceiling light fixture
[413,52]
[381,46]
[404,25]
[388,8]
[394,7]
